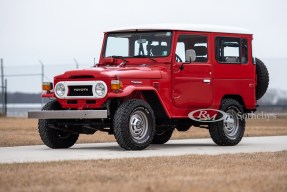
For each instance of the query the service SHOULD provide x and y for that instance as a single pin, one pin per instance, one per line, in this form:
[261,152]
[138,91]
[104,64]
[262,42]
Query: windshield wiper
[119,57]
[144,56]
[122,58]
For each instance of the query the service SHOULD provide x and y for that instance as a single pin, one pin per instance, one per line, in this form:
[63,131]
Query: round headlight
[60,89]
[100,89]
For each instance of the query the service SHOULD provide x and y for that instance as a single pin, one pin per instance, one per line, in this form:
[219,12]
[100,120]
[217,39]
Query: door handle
[206,80]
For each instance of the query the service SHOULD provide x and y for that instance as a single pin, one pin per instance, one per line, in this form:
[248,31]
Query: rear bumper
[66,114]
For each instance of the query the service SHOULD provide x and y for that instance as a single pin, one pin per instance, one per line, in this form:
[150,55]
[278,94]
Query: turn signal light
[116,85]
[47,86]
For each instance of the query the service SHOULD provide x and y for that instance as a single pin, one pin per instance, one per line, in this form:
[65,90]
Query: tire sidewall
[50,136]
[216,130]
[161,137]
[121,124]
[262,79]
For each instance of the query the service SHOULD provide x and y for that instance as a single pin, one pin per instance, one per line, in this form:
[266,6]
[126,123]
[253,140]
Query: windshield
[138,44]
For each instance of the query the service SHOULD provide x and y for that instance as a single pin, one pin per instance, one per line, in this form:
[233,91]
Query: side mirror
[190,55]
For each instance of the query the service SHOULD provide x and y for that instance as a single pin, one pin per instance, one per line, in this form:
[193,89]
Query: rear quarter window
[231,50]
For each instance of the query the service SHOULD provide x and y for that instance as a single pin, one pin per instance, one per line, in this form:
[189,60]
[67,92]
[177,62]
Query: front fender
[129,90]
[46,94]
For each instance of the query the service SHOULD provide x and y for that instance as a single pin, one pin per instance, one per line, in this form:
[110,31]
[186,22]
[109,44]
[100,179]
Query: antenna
[95,64]
[77,64]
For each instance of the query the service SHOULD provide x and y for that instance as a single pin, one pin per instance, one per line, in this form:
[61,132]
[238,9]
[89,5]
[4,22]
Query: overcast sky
[56,31]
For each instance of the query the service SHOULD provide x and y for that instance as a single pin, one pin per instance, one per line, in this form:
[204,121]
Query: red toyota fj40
[153,79]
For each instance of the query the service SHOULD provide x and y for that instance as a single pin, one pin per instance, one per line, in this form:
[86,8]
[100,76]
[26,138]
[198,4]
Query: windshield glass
[138,44]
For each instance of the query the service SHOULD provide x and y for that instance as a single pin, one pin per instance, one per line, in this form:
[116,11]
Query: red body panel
[179,91]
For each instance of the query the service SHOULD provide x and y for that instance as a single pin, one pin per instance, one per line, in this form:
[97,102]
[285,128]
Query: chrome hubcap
[138,126]
[231,124]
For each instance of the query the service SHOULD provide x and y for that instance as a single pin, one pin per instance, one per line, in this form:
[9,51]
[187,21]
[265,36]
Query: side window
[191,48]
[231,50]
[180,50]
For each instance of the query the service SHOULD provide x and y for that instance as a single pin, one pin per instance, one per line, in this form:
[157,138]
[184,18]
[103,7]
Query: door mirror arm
[181,67]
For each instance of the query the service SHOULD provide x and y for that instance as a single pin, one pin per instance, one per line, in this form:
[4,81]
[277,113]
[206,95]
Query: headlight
[60,90]
[100,89]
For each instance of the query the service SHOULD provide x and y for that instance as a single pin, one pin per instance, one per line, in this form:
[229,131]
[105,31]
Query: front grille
[81,90]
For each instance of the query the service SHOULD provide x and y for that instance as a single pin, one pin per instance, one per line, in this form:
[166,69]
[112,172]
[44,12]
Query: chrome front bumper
[69,114]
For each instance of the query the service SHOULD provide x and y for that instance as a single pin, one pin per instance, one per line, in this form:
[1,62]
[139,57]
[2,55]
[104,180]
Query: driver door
[192,71]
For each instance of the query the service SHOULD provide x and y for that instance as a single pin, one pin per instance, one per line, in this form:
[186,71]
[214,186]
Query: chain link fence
[27,79]
[3,101]
[3,91]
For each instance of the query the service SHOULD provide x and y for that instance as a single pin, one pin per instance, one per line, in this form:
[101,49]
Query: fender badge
[136,82]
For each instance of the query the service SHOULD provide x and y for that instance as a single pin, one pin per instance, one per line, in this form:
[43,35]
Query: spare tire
[262,78]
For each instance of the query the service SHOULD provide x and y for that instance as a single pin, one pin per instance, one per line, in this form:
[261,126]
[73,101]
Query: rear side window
[231,50]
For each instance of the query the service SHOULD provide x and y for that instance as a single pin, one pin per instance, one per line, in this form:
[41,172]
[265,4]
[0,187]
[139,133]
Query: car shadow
[150,148]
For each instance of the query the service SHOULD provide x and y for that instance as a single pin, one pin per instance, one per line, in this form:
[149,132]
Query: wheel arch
[237,98]
[149,94]
[153,99]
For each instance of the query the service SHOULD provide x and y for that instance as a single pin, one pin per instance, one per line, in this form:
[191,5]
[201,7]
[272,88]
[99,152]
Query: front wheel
[55,138]
[134,125]
[230,130]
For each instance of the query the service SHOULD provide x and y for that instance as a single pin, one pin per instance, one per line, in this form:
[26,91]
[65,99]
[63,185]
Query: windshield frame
[135,56]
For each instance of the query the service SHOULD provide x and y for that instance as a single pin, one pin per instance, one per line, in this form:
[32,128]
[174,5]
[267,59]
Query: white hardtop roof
[184,27]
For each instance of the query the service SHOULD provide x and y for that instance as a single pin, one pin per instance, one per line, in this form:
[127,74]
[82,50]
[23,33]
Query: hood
[110,72]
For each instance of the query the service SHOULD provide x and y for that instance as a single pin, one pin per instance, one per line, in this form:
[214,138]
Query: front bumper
[69,114]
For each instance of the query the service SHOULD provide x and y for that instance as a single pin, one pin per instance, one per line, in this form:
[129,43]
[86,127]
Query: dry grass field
[20,131]
[239,172]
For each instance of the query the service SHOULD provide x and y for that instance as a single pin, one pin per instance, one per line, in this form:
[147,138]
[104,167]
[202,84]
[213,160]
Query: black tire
[220,134]
[134,125]
[55,138]
[184,125]
[161,137]
[262,78]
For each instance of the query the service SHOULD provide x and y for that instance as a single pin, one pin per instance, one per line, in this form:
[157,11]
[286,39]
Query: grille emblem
[81,89]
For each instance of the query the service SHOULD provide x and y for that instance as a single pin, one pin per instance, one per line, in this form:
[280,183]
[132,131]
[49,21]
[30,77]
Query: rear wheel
[55,138]
[230,130]
[134,125]
[163,136]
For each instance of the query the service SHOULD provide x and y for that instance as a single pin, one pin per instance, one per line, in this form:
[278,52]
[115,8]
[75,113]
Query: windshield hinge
[122,64]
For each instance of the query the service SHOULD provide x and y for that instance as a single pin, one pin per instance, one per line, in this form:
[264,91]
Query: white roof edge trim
[183,27]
